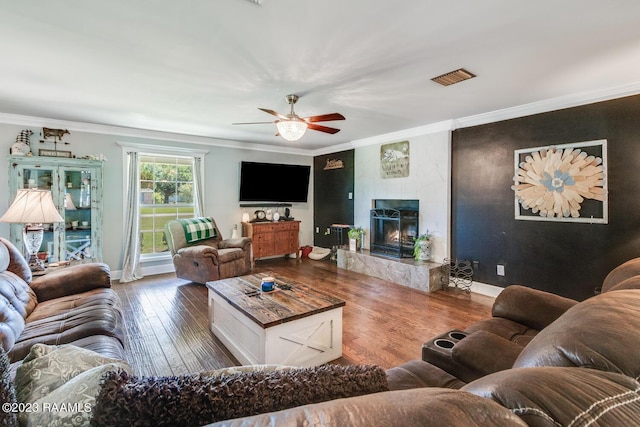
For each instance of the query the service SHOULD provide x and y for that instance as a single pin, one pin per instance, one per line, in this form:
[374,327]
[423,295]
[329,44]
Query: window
[166,192]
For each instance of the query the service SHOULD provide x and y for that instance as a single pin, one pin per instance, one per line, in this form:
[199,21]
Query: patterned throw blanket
[198,229]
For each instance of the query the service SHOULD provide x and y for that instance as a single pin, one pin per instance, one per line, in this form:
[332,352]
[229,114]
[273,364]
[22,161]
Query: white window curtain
[197,186]
[131,269]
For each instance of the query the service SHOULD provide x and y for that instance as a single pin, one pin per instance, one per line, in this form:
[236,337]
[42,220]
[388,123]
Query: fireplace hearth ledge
[423,275]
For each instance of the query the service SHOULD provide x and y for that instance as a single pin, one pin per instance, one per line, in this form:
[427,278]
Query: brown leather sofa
[209,259]
[541,360]
[72,305]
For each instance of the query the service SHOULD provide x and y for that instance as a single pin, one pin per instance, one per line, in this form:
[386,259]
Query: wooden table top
[290,300]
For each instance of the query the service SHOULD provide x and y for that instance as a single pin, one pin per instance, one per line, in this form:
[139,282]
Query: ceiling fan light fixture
[292,129]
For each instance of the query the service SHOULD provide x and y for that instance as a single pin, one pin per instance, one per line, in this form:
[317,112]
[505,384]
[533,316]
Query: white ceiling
[195,67]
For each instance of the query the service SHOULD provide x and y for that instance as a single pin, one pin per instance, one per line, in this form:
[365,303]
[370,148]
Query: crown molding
[31,121]
[444,126]
[547,105]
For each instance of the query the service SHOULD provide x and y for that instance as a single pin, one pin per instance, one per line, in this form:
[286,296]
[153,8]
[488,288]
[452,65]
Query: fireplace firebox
[394,226]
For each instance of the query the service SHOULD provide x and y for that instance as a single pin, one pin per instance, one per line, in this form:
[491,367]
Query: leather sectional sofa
[72,305]
[540,360]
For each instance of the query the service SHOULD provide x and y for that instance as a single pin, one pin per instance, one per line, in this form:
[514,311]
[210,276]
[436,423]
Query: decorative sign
[334,164]
[562,183]
[54,153]
[394,160]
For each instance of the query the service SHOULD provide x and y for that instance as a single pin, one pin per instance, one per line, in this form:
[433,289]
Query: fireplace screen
[394,225]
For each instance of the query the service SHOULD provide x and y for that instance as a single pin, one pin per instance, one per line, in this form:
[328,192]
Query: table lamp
[33,208]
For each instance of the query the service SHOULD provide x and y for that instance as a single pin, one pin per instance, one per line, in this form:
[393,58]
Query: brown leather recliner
[519,314]
[208,259]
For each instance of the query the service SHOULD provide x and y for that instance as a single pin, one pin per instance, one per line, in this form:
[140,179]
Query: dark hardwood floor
[383,323]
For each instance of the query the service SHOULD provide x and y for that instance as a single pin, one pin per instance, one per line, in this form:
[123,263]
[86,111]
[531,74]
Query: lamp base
[32,236]
[35,264]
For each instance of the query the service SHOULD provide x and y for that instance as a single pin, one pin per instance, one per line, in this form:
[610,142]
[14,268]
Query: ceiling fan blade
[253,123]
[324,118]
[325,129]
[274,113]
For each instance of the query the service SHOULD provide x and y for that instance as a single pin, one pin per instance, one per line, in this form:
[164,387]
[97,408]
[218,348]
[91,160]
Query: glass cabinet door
[40,178]
[77,214]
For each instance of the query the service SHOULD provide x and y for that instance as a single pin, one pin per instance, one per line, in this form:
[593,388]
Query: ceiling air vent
[453,77]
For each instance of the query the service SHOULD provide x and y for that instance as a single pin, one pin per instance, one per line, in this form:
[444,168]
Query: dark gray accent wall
[331,188]
[570,259]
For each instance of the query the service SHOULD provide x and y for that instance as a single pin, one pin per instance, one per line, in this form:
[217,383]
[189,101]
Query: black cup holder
[444,343]
[457,335]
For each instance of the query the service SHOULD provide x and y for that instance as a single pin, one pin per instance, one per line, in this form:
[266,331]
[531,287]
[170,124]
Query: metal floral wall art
[562,183]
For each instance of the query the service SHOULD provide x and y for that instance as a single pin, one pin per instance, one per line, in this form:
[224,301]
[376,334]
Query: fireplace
[394,225]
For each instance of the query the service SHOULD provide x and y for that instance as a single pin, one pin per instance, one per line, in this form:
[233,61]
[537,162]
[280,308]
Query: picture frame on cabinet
[55,153]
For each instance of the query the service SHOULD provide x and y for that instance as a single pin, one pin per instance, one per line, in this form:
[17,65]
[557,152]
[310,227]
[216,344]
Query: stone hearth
[423,275]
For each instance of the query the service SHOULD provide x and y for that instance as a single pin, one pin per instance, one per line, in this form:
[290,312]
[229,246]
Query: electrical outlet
[476,265]
[317,230]
[500,270]
[350,195]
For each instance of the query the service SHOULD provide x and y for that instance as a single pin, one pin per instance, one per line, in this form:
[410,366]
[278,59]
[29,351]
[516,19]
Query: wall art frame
[563,183]
[394,160]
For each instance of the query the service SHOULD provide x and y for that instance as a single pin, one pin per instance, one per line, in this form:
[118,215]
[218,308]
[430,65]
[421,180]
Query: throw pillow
[8,416]
[59,383]
[193,400]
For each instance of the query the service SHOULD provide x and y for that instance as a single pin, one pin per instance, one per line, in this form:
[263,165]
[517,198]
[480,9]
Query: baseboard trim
[484,289]
[148,271]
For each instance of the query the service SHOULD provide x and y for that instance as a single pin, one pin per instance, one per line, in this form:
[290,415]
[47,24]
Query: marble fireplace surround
[423,275]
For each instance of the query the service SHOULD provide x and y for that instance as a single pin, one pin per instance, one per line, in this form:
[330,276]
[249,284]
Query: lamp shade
[32,207]
[291,129]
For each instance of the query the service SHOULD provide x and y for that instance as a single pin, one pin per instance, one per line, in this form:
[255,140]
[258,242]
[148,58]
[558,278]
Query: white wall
[221,182]
[428,181]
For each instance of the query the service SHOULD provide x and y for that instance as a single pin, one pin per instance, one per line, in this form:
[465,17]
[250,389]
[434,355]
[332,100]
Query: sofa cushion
[531,307]
[17,264]
[61,382]
[75,279]
[193,400]
[4,257]
[95,314]
[599,333]
[17,293]
[622,272]
[563,396]
[424,407]
[515,332]
[417,374]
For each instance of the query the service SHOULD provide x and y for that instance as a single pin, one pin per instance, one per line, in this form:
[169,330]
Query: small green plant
[355,233]
[417,249]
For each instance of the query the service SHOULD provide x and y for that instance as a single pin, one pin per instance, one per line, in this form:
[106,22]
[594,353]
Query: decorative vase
[425,250]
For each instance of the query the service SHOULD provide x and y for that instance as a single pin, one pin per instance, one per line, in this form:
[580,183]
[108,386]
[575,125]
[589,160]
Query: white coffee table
[293,325]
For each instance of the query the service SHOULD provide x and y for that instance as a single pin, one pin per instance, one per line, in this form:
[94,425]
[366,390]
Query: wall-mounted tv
[273,182]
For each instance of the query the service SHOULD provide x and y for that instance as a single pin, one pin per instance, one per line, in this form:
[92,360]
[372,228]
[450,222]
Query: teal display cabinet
[76,187]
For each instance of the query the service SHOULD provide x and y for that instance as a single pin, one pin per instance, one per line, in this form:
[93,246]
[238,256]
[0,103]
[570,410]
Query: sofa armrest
[531,307]
[71,280]
[240,242]
[199,251]
[485,352]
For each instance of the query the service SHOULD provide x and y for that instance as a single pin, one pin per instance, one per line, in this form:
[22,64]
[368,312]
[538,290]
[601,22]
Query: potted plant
[356,237]
[422,247]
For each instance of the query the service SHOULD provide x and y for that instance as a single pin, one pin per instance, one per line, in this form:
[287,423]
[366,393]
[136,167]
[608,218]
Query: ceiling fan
[291,126]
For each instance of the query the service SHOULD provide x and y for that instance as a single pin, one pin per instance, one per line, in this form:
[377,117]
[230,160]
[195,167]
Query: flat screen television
[273,182]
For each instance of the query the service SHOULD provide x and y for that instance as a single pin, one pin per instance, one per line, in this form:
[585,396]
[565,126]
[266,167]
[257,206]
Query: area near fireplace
[394,226]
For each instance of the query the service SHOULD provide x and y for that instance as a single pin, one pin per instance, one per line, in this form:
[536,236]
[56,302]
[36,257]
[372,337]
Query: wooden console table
[272,238]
